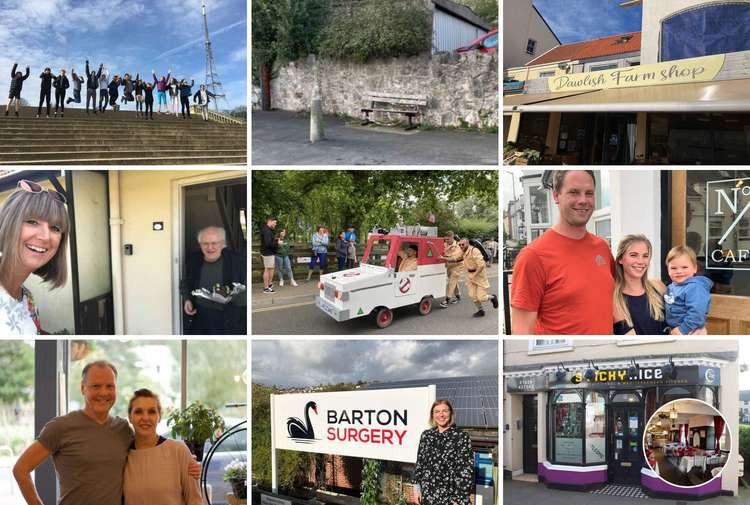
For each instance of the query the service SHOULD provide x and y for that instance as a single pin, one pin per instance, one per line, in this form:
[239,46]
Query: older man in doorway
[88,447]
[215,265]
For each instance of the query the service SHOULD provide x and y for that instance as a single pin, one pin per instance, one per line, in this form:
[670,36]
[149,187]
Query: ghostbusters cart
[377,287]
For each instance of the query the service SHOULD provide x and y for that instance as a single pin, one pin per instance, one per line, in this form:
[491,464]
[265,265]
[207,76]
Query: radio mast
[213,84]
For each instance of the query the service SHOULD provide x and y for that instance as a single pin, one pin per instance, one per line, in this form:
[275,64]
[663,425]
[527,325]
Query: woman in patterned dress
[445,461]
[33,239]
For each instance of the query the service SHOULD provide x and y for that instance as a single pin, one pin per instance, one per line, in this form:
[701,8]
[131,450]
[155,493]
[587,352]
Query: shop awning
[715,96]
[535,98]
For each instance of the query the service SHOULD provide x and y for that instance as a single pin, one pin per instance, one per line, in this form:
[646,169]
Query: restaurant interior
[687,442]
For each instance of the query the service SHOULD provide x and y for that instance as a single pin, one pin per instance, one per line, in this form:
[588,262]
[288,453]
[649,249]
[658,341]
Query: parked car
[487,43]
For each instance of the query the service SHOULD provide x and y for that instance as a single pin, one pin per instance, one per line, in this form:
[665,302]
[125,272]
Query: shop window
[709,29]
[625,398]
[531,46]
[699,139]
[568,428]
[532,132]
[595,433]
[724,264]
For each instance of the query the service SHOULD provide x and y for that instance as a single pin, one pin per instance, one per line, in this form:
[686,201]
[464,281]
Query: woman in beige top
[157,468]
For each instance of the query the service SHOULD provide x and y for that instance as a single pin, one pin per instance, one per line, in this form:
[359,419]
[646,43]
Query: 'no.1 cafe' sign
[728,224]
[381,424]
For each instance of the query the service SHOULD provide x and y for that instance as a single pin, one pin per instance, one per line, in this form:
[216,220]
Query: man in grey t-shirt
[88,447]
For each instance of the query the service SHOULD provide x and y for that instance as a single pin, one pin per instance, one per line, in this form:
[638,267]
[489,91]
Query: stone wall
[461,89]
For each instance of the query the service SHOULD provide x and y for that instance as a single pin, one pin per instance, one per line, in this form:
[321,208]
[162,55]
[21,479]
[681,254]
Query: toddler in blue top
[688,297]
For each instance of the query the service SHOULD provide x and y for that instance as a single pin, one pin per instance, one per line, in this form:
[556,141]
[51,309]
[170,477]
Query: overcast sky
[133,36]
[313,362]
[574,20]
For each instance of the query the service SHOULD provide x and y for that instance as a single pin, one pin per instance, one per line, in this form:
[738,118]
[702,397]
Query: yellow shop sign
[701,69]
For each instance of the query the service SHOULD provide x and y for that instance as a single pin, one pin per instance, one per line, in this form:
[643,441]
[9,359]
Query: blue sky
[574,20]
[127,36]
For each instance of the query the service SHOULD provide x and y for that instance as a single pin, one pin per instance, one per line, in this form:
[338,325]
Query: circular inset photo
[687,442]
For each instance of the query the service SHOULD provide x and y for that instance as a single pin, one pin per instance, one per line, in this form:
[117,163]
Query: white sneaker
[281,282]
[294,283]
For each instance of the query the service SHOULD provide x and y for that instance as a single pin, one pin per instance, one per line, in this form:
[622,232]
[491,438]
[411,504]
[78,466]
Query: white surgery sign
[381,424]
[728,224]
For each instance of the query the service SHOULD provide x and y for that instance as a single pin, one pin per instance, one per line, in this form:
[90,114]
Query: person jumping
[103,89]
[92,84]
[45,92]
[77,82]
[61,84]
[161,89]
[16,84]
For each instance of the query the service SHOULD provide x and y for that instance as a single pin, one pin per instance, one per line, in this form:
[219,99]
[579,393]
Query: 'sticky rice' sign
[381,424]
[728,224]
[701,69]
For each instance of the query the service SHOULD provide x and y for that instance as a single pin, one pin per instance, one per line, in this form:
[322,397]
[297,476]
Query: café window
[579,429]
[705,30]
[713,192]
[568,428]
[532,132]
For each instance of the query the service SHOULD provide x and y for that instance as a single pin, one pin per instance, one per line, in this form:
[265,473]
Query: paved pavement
[282,138]
[528,493]
[292,311]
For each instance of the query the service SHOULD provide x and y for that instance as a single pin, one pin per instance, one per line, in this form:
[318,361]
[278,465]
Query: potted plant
[236,474]
[195,425]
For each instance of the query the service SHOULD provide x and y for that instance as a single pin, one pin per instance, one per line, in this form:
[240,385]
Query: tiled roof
[586,49]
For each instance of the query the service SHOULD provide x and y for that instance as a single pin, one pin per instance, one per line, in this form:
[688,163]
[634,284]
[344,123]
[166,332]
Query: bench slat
[398,101]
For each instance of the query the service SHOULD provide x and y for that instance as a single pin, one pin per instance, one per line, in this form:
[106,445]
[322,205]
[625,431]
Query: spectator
[282,258]
[319,250]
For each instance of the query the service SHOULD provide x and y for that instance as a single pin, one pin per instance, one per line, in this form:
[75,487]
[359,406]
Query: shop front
[691,111]
[583,425]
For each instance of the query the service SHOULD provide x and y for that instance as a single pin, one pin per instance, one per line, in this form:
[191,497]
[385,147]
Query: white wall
[148,283]
[654,11]
[521,22]
[635,200]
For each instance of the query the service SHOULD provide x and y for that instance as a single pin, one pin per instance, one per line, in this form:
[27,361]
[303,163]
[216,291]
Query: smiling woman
[33,239]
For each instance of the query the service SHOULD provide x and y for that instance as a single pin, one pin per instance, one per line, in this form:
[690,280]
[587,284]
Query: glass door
[626,439]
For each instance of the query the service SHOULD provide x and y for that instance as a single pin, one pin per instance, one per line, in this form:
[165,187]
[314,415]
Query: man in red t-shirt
[563,281]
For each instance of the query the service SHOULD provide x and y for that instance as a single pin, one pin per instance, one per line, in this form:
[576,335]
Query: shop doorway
[614,139]
[626,440]
[530,445]
[687,224]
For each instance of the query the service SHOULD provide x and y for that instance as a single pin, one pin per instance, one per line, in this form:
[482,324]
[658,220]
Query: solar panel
[474,399]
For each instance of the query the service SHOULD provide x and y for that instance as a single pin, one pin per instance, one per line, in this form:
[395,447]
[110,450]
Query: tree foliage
[16,371]
[370,482]
[305,199]
[380,29]
[485,9]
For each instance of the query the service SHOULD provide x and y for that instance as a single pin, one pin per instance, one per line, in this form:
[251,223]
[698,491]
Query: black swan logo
[299,431]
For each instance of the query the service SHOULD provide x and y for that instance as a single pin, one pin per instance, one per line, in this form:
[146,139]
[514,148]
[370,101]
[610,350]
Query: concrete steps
[118,138]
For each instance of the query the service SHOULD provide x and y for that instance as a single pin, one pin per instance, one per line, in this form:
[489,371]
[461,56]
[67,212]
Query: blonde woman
[445,461]
[156,471]
[33,240]
[638,300]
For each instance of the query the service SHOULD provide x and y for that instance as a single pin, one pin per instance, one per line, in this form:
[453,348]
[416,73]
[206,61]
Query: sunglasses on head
[33,187]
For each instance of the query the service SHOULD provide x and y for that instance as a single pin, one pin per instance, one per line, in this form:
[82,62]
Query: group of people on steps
[134,90]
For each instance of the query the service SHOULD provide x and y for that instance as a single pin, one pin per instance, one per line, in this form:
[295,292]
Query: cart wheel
[425,306]
[384,317]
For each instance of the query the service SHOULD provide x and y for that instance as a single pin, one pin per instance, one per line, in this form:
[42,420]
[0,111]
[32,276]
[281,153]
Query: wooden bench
[408,105]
